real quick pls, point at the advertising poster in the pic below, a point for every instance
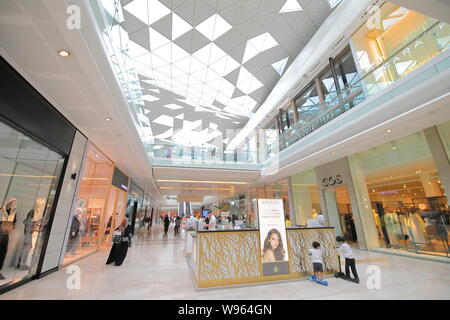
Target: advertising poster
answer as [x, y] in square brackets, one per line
[272, 230]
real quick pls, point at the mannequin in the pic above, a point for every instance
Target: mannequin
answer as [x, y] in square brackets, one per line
[31, 231]
[7, 224]
[75, 233]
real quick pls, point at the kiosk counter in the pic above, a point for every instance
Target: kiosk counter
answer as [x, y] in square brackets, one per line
[231, 257]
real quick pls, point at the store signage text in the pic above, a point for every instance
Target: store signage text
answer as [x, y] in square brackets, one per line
[331, 181]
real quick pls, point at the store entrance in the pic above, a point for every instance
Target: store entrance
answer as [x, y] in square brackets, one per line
[340, 213]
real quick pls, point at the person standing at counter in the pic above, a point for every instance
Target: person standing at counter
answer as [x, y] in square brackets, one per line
[212, 222]
[273, 247]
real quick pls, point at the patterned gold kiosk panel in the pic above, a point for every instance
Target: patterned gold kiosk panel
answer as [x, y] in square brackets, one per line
[233, 257]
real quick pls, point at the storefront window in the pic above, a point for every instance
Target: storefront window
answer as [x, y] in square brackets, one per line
[29, 175]
[90, 205]
[444, 133]
[402, 38]
[408, 202]
[306, 197]
[279, 190]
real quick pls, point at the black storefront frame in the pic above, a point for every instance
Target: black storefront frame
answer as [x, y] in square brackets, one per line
[32, 127]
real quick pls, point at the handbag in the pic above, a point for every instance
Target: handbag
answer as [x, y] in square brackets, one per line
[117, 236]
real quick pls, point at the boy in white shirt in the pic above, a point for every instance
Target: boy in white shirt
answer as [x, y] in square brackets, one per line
[316, 258]
[346, 251]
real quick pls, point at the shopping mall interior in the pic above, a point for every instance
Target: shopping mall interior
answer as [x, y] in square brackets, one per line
[224, 149]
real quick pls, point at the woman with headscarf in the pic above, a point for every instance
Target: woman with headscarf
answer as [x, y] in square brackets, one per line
[122, 240]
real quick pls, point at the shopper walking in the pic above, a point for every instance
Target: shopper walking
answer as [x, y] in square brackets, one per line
[177, 225]
[166, 224]
[122, 240]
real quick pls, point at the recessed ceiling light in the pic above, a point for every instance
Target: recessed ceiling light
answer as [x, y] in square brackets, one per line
[126, 148]
[388, 131]
[64, 53]
[108, 119]
[334, 152]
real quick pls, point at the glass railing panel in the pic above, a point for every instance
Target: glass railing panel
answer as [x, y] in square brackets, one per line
[416, 53]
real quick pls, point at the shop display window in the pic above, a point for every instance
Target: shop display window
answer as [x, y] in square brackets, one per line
[408, 202]
[90, 205]
[115, 211]
[394, 42]
[29, 175]
[279, 190]
[306, 196]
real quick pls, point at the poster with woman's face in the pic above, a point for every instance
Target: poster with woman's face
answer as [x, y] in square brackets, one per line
[274, 252]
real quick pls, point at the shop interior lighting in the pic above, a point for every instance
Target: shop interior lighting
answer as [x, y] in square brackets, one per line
[388, 130]
[108, 119]
[200, 181]
[186, 188]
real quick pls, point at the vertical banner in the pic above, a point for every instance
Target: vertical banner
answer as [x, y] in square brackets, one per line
[272, 232]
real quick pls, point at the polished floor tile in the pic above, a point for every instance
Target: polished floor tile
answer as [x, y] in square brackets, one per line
[155, 268]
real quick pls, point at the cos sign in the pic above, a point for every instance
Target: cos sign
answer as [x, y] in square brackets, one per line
[331, 181]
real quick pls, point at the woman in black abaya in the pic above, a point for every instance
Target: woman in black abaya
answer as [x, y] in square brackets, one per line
[119, 249]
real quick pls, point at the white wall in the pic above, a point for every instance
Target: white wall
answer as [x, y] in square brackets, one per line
[60, 224]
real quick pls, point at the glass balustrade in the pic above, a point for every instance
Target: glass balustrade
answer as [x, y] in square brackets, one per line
[194, 156]
[417, 52]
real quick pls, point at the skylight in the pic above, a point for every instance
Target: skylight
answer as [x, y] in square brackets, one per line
[257, 45]
[247, 82]
[173, 106]
[333, 3]
[138, 8]
[204, 75]
[213, 27]
[149, 98]
[290, 6]
[179, 26]
[156, 10]
[280, 65]
[164, 120]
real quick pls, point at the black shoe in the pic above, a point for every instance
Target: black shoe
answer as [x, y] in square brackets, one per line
[2, 277]
[356, 280]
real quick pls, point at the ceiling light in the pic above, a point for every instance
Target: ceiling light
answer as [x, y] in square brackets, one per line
[334, 152]
[126, 148]
[64, 53]
[108, 119]
[199, 181]
[388, 131]
[185, 188]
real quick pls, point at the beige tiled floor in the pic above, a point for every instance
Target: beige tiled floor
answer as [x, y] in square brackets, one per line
[155, 268]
